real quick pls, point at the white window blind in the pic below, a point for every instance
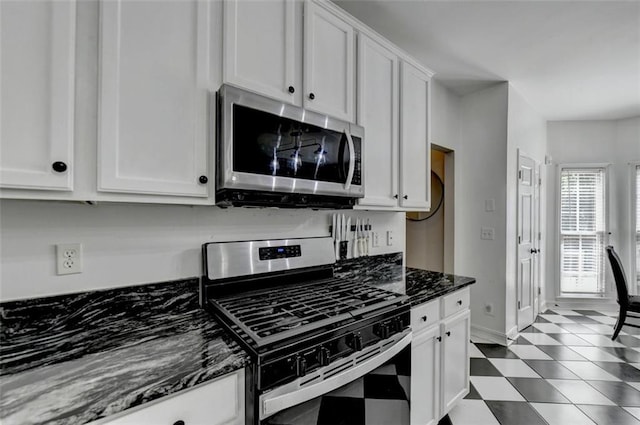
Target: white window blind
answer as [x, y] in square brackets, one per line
[583, 230]
[638, 224]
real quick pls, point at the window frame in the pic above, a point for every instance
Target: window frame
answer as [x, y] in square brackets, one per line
[608, 288]
[634, 194]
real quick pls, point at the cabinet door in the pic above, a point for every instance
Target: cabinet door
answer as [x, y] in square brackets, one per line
[329, 73]
[220, 402]
[425, 377]
[455, 358]
[378, 114]
[259, 49]
[155, 62]
[37, 64]
[415, 150]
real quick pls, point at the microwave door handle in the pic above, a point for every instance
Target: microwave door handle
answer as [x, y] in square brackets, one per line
[352, 160]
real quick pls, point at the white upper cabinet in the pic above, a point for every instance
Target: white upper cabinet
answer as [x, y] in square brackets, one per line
[259, 47]
[378, 114]
[329, 56]
[415, 149]
[37, 64]
[155, 64]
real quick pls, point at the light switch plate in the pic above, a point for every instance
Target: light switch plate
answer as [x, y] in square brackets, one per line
[487, 233]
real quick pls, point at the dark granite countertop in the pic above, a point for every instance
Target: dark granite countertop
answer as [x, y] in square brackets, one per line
[76, 358]
[386, 271]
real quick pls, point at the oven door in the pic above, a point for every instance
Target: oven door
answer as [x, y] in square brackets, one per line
[267, 145]
[333, 376]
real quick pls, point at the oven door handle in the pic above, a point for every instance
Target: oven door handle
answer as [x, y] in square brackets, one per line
[352, 159]
[286, 396]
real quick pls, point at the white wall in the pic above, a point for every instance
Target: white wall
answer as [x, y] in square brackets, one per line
[613, 142]
[527, 133]
[134, 244]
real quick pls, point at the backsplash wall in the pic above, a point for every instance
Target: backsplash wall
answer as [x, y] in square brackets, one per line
[127, 244]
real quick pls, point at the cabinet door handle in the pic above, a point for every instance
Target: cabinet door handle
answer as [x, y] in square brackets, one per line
[406, 197]
[180, 422]
[438, 339]
[312, 96]
[203, 179]
[395, 196]
[459, 302]
[59, 167]
[292, 89]
[424, 318]
[448, 333]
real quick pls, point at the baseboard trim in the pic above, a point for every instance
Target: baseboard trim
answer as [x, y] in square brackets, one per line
[480, 332]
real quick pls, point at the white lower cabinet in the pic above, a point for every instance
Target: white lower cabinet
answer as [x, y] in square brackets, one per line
[439, 361]
[220, 402]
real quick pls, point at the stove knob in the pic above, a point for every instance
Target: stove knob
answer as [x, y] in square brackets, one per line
[383, 331]
[396, 325]
[323, 356]
[357, 342]
[301, 366]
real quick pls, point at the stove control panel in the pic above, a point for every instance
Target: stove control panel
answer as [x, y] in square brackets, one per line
[276, 252]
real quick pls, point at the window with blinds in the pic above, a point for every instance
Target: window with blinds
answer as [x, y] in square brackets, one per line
[583, 231]
[638, 225]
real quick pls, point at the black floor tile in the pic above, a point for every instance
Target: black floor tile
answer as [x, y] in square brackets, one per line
[589, 312]
[626, 354]
[608, 415]
[473, 393]
[483, 367]
[531, 330]
[341, 411]
[576, 328]
[549, 312]
[536, 390]
[623, 371]
[550, 369]
[445, 421]
[403, 362]
[559, 352]
[383, 386]
[496, 351]
[621, 393]
[515, 412]
[628, 340]
[584, 319]
[541, 320]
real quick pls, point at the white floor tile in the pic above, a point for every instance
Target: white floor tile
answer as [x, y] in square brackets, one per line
[604, 319]
[635, 385]
[588, 371]
[579, 392]
[550, 328]
[567, 312]
[636, 365]
[555, 318]
[495, 388]
[514, 368]
[475, 352]
[574, 340]
[600, 340]
[561, 414]
[472, 412]
[530, 352]
[601, 329]
[385, 412]
[635, 411]
[539, 339]
[595, 354]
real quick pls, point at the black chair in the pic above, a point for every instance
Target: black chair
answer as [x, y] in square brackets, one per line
[628, 303]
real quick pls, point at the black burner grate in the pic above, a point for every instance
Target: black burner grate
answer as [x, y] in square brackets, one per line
[278, 313]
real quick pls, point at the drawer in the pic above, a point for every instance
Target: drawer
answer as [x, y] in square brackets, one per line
[425, 315]
[453, 303]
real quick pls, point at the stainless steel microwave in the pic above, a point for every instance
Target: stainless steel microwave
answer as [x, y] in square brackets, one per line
[271, 153]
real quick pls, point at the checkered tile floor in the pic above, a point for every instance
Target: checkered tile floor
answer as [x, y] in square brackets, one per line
[562, 370]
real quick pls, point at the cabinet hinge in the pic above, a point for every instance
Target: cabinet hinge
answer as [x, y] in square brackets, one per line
[518, 305]
[539, 236]
[539, 291]
[519, 174]
[519, 239]
[539, 181]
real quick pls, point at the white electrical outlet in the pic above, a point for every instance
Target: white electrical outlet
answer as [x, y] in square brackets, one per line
[69, 258]
[375, 239]
[389, 238]
[487, 233]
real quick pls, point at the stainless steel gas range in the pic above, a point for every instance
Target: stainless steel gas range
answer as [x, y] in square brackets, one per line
[307, 332]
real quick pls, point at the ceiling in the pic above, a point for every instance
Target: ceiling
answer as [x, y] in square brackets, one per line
[571, 60]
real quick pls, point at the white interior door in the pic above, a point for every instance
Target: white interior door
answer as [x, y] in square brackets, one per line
[527, 241]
